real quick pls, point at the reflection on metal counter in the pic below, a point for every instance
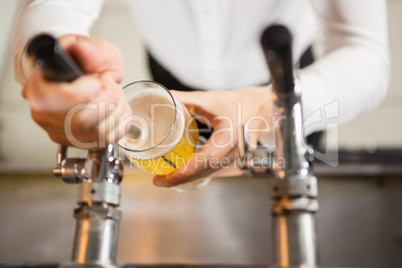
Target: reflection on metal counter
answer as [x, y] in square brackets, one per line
[228, 222]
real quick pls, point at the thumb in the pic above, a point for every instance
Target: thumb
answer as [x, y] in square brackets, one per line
[200, 105]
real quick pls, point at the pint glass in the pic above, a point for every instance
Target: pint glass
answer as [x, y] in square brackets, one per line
[164, 135]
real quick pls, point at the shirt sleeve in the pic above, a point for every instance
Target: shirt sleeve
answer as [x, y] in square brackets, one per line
[352, 73]
[56, 17]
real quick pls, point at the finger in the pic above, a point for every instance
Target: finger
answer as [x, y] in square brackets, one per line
[232, 170]
[109, 101]
[47, 96]
[206, 162]
[114, 127]
[97, 55]
[53, 108]
[223, 167]
[108, 131]
[189, 98]
[109, 113]
[48, 121]
[66, 40]
[118, 132]
[67, 137]
[199, 105]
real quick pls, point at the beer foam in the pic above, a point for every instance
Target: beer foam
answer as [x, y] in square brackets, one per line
[153, 111]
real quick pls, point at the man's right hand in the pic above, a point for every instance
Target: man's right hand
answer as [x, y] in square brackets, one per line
[89, 112]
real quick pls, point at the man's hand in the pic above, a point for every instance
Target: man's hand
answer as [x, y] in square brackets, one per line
[224, 111]
[88, 112]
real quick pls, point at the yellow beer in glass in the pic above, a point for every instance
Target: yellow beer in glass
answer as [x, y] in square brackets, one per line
[168, 133]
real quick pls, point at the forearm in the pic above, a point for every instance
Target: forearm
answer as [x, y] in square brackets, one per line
[353, 74]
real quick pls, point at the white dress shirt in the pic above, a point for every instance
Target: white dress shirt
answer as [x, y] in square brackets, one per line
[214, 45]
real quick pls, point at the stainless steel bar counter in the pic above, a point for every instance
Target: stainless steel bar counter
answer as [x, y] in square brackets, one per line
[226, 223]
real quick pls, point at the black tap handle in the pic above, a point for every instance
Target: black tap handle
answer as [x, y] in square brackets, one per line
[276, 42]
[48, 55]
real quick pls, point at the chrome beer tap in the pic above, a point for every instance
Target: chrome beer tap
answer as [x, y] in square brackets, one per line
[98, 176]
[292, 184]
[97, 217]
